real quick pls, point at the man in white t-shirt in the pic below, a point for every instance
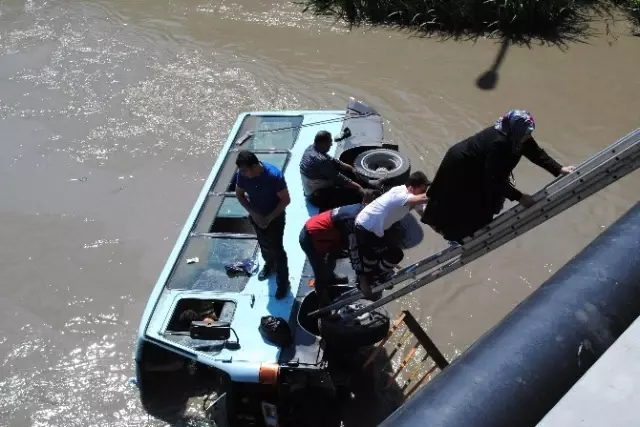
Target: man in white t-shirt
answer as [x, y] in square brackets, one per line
[379, 215]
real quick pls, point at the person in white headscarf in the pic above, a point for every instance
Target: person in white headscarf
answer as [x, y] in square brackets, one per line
[474, 177]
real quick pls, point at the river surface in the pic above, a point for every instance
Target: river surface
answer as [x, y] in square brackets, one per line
[112, 113]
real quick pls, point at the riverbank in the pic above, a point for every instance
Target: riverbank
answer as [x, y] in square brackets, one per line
[552, 20]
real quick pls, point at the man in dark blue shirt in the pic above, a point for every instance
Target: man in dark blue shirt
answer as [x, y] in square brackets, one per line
[327, 181]
[262, 191]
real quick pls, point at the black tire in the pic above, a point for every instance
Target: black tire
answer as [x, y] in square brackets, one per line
[155, 372]
[349, 333]
[162, 393]
[382, 163]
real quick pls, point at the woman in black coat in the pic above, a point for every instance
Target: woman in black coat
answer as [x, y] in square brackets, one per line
[474, 177]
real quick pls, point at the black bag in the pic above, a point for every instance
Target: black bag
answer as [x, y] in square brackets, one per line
[276, 330]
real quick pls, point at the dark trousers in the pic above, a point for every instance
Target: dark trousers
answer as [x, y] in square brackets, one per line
[270, 240]
[326, 199]
[370, 242]
[322, 265]
[372, 249]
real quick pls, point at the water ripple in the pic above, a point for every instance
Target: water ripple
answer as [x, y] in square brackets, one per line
[101, 242]
[277, 15]
[120, 96]
[67, 388]
[18, 40]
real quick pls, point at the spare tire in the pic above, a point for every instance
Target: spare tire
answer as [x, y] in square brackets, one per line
[382, 163]
[362, 331]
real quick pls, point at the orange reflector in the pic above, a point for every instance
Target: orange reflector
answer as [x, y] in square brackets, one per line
[269, 373]
[312, 283]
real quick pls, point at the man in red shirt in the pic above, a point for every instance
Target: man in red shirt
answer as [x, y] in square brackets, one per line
[324, 236]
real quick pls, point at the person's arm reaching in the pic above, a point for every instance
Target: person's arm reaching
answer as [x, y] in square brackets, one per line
[342, 181]
[515, 195]
[509, 191]
[342, 165]
[538, 156]
[329, 168]
[417, 200]
[354, 185]
[417, 203]
[420, 208]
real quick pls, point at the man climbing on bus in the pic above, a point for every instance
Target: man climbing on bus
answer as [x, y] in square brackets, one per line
[377, 252]
[380, 215]
[327, 181]
[324, 236]
[474, 177]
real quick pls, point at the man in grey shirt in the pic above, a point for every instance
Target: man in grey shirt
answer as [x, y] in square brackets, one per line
[326, 180]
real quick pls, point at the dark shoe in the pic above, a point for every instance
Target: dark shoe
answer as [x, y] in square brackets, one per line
[344, 253]
[332, 316]
[282, 291]
[385, 278]
[264, 273]
[339, 279]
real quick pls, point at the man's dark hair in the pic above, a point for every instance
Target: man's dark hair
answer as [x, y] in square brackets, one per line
[246, 159]
[369, 195]
[322, 137]
[417, 179]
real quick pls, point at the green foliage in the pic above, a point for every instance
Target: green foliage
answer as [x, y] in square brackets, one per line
[545, 19]
[634, 11]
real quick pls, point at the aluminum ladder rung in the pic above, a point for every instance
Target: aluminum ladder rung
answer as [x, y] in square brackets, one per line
[561, 205]
[624, 148]
[411, 271]
[601, 165]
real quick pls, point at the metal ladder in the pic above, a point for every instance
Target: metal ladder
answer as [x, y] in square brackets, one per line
[592, 175]
[415, 379]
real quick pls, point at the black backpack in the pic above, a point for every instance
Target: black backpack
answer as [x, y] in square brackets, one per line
[276, 330]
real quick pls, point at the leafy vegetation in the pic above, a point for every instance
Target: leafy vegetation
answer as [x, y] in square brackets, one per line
[545, 19]
[633, 7]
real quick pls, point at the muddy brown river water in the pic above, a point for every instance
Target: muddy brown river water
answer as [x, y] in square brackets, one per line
[112, 113]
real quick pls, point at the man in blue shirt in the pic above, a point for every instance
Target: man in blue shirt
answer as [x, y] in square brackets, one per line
[262, 191]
